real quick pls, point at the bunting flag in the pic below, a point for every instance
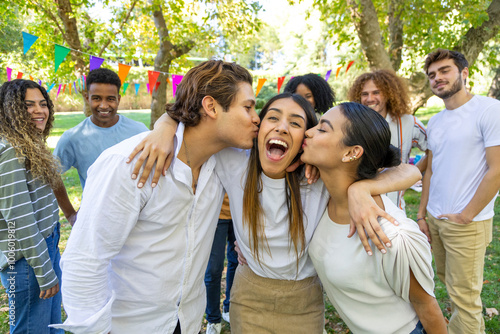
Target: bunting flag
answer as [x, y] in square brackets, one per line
[28, 41]
[19, 75]
[349, 65]
[125, 86]
[39, 82]
[49, 88]
[31, 78]
[338, 71]
[64, 88]
[327, 76]
[176, 80]
[168, 81]
[84, 80]
[152, 78]
[123, 71]
[280, 83]
[60, 52]
[260, 84]
[95, 63]
[9, 74]
[58, 91]
[74, 85]
[136, 88]
[69, 89]
[147, 86]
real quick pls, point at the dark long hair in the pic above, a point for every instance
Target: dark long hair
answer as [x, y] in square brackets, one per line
[324, 97]
[252, 209]
[366, 128]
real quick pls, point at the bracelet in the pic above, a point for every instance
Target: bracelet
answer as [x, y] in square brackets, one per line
[420, 219]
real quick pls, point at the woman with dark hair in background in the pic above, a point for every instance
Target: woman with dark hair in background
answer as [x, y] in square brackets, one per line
[29, 214]
[392, 293]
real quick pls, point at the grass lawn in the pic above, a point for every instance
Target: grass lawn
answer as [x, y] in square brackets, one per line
[491, 289]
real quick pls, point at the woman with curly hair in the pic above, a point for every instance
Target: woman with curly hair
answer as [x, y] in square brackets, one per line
[29, 214]
[315, 90]
[387, 94]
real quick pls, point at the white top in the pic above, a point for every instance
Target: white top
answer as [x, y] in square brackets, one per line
[406, 132]
[136, 258]
[281, 262]
[371, 293]
[458, 139]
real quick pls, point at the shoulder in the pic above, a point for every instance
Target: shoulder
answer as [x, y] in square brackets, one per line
[130, 122]
[76, 131]
[124, 148]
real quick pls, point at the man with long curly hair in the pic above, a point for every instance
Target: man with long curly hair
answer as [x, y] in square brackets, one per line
[387, 94]
[136, 258]
[29, 214]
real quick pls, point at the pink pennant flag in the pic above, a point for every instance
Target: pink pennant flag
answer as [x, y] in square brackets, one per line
[349, 65]
[260, 84]
[95, 63]
[58, 91]
[176, 80]
[338, 71]
[9, 74]
[123, 71]
[19, 75]
[147, 86]
[152, 78]
[328, 75]
[280, 83]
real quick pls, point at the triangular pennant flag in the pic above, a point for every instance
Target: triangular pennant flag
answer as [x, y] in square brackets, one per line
[64, 88]
[123, 71]
[152, 78]
[49, 88]
[28, 40]
[259, 86]
[9, 74]
[280, 83]
[147, 86]
[58, 91]
[39, 82]
[19, 75]
[84, 80]
[338, 71]
[328, 75]
[157, 85]
[168, 81]
[31, 78]
[176, 80]
[69, 89]
[349, 65]
[74, 85]
[125, 86]
[136, 88]
[60, 52]
[95, 63]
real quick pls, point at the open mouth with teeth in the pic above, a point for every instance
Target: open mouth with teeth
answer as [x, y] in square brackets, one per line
[276, 149]
[104, 112]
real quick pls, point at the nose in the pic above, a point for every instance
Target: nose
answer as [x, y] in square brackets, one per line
[282, 127]
[104, 104]
[255, 117]
[309, 133]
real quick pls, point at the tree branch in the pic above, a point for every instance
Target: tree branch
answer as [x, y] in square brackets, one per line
[395, 33]
[50, 15]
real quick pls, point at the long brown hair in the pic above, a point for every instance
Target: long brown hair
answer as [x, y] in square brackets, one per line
[252, 208]
[19, 131]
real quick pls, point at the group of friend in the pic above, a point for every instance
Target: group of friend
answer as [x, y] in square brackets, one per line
[137, 255]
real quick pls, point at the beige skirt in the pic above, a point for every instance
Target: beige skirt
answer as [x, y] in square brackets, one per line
[264, 305]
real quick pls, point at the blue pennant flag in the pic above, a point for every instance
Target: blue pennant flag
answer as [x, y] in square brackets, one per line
[28, 41]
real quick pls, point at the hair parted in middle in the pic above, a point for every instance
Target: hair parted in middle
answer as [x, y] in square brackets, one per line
[214, 78]
[324, 97]
[252, 209]
[390, 85]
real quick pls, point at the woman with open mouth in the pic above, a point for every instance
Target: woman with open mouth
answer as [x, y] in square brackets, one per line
[275, 213]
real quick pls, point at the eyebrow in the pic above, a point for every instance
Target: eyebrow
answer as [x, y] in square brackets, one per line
[281, 112]
[327, 122]
[42, 100]
[252, 101]
[440, 69]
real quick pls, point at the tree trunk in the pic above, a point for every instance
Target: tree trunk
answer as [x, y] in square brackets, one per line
[159, 98]
[396, 8]
[494, 91]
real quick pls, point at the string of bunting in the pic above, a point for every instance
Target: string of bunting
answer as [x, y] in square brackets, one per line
[60, 53]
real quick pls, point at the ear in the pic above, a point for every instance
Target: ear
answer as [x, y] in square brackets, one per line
[209, 105]
[86, 96]
[353, 153]
[119, 98]
[465, 74]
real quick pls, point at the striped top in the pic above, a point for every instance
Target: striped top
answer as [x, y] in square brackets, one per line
[28, 214]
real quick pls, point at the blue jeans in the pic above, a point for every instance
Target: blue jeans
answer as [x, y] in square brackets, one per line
[213, 275]
[30, 314]
[419, 329]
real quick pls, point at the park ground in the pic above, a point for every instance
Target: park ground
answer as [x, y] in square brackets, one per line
[333, 324]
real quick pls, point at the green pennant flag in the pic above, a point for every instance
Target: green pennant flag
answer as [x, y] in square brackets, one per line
[59, 54]
[125, 86]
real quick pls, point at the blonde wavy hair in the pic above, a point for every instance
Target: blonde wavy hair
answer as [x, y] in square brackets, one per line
[19, 131]
[390, 85]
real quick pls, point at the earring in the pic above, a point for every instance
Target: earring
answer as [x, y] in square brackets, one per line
[352, 158]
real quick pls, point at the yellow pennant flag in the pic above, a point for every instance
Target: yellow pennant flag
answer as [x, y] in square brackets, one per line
[259, 86]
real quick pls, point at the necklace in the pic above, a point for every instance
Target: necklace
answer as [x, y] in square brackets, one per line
[195, 181]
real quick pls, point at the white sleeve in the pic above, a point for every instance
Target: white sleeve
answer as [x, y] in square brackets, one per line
[419, 135]
[410, 249]
[110, 209]
[490, 125]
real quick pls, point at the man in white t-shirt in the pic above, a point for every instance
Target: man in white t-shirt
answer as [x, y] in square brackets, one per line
[460, 186]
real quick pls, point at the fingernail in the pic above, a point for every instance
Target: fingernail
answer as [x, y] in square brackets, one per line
[153, 185]
[140, 185]
[134, 176]
[388, 244]
[370, 253]
[396, 222]
[383, 251]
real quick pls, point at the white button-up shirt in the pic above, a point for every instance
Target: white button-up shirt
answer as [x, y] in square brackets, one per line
[136, 258]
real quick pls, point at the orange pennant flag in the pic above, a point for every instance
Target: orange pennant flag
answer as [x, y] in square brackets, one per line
[349, 65]
[64, 87]
[259, 86]
[338, 71]
[69, 89]
[280, 83]
[19, 75]
[31, 78]
[123, 71]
